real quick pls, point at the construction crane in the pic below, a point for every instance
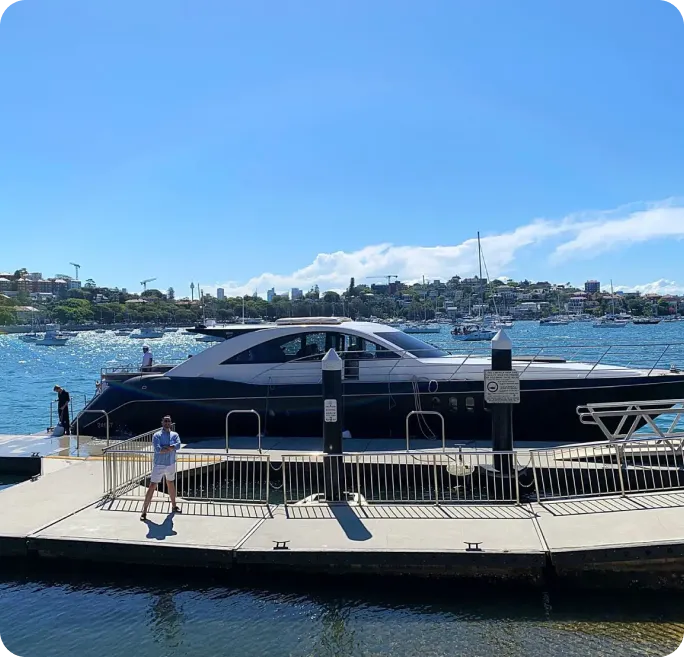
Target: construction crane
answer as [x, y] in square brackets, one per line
[389, 278]
[145, 282]
[76, 268]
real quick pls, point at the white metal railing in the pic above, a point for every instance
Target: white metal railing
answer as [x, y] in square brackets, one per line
[243, 411]
[78, 418]
[646, 357]
[613, 468]
[396, 477]
[420, 414]
[123, 465]
[136, 368]
[633, 417]
[200, 476]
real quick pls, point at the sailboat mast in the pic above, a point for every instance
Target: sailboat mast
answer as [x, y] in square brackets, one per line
[479, 255]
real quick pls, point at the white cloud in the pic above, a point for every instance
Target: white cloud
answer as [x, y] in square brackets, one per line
[332, 271]
[605, 234]
[581, 235]
[661, 286]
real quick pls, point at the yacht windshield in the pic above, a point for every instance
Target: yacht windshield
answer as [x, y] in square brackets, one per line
[412, 345]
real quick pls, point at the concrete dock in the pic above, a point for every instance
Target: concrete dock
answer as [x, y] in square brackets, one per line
[611, 540]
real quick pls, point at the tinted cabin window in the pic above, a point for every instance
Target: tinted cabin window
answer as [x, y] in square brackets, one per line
[314, 346]
[358, 347]
[278, 350]
[411, 344]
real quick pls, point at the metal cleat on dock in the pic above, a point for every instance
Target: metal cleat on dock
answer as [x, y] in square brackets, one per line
[470, 547]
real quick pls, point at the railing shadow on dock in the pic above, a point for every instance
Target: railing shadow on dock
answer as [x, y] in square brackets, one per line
[324, 511]
[190, 508]
[644, 502]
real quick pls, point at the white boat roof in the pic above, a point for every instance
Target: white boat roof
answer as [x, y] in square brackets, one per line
[208, 363]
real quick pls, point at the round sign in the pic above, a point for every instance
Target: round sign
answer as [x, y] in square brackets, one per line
[493, 386]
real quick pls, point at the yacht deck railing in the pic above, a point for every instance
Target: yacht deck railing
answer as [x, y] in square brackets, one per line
[633, 417]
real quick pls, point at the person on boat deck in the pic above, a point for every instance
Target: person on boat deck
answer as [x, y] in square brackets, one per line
[63, 407]
[165, 443]
[147, 358]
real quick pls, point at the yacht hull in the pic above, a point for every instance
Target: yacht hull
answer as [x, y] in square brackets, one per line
[371, 410]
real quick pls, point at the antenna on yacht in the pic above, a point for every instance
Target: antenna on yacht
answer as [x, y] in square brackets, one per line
[479, 255]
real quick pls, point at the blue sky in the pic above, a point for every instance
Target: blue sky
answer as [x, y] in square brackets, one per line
[267, 143]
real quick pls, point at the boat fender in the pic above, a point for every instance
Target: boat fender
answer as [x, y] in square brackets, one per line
[435, 402]
[433, 386]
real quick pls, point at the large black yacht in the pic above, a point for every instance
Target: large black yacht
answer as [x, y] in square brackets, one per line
[275, 369]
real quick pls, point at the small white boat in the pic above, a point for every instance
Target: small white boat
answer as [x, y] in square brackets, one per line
[29, 337]
[609, 322]
[122, 332]
[422, 328]
[553, 321]
[100, 330]
[52, 338]
[147, 334]
[472, 333]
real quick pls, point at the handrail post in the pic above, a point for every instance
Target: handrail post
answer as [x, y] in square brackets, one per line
[534, 475]
[443, 423]
[517, 478]
[91, 410]
[244, 410]
[434, 469]
[619, 464]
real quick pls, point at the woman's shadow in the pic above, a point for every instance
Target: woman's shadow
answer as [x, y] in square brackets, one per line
[160, 531]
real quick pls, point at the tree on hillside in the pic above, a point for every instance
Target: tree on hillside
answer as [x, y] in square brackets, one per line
[76, 294]
[76, 311]
[170, 294]
[351, 290]
[90, 283]
[7, 315]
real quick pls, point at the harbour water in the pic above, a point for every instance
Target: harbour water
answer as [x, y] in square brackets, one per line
[29, 372]
[95, 611]
[152, 615]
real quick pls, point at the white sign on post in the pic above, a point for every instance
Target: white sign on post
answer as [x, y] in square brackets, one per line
[502, 387]
[330, 410]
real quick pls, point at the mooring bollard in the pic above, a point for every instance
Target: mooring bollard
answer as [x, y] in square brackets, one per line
[502, 390]
[333, 467]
